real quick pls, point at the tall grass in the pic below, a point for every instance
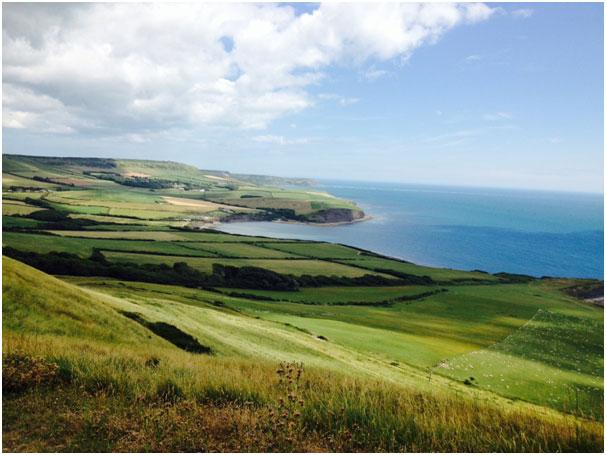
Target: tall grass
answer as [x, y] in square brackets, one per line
[128, 398]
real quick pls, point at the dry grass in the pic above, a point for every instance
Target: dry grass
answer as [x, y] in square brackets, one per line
[201, 205]
[117, 398]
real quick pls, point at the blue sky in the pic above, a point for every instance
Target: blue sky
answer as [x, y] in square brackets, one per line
[507, 96]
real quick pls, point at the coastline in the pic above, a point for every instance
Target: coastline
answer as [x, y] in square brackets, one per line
[333, 224]
[218, 224]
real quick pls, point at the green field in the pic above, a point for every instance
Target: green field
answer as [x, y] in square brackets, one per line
[553, 359]
[10, 208]
[241, 250]
[84, 246]
[397, 356]
[341, 295]
[287, 266]
[180, 236]
[317, 250]
[19, 222]
[407, 267]
[158, 191]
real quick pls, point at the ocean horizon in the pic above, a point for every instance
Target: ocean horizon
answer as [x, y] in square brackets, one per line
[533, 232]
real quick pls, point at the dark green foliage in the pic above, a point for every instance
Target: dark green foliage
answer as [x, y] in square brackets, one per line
[254, 278]
[37, 178]
[381, 303]
[38, 202]
[316, 281]
[407, 278]
[182, 274]
[68, 161]
[170, 333]
[98, 256]
[50, 215]
[513, 277]
[587, 289]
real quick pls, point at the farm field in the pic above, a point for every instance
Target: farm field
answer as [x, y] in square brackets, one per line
[317, 250]
[287, 266]
[18, 209]
[407, 267]
[342, 295]
[174, 235]
[160, 191]
[128, 315]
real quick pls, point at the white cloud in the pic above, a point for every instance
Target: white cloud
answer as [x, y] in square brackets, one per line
[522, 13]
[132, 69]
[279, 140]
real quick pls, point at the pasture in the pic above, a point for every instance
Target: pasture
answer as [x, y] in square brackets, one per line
[437, 274]
[463, 361]
[286, 266]
[341, 295]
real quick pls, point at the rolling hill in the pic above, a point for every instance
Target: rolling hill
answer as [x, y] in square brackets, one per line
[127, 329]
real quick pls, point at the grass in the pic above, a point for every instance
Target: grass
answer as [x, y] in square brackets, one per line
[316, 250]
[413, 269]
[19, 222]
[340, 295]
[9, 180]
[125, 222]
[10, 208]
[410, 334]
[109, 395]
[466, 364]
[554, 359]
[83, 247]
[241, 250]
[163, 235]
[209, 196]
[286, 266]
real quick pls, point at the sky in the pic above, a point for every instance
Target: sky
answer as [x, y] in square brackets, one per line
[492, 95]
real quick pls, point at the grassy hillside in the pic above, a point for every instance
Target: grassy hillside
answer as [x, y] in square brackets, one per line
[135, 332]
[162, 191]
[135, 391]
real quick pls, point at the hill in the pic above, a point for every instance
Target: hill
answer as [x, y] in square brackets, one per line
[166, 191]
[99, 373]
[125, 329]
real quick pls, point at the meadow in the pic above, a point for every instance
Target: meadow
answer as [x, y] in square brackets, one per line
[357, 352]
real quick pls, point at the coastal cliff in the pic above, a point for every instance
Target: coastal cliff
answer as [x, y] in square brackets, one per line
[335, 215]
[325, 216]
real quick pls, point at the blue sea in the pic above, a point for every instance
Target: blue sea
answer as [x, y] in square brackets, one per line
[531, 232]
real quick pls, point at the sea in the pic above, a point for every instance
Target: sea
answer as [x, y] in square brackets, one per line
[538, 233]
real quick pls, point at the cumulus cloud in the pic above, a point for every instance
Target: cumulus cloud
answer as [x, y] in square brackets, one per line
[136, 69]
